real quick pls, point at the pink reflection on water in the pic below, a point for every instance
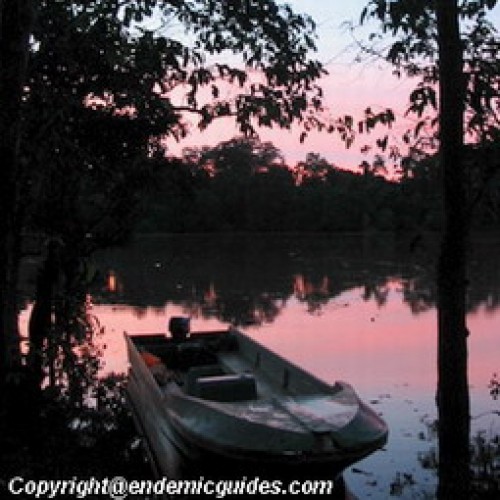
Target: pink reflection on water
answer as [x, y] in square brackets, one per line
[374, 348]
[357, 342]
[388, 353]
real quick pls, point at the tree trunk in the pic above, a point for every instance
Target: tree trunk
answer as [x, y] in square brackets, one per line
[16, 23]
[453, 392]
[40, 322]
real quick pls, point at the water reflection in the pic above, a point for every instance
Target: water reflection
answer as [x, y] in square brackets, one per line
[345, 307]
[247, 280]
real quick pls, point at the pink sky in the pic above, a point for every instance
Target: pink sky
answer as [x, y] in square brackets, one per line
[349, 88]
[346, 92]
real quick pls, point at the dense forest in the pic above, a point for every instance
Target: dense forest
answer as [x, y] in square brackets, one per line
[245, 185]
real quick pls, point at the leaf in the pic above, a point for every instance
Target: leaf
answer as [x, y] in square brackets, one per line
[382, 143]
[419, 127]
[364, 13]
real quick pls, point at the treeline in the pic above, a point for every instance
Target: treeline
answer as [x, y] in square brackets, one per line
[245, 185]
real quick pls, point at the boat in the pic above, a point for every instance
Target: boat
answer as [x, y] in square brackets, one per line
[211, 402]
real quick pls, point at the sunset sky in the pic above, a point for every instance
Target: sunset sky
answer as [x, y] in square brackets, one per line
[349, 88]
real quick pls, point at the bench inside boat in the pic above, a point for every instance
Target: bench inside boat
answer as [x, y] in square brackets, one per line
[197, 368]
[227, 366]
[224, 387]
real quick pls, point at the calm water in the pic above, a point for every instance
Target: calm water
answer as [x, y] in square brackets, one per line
[359, 309]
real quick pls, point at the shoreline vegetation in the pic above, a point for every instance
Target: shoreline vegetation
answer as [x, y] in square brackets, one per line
[244, 185]
[97, 440]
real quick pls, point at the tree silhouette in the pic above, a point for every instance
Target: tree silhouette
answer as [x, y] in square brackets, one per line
[107, 85]
[431, 46]
[16, 24]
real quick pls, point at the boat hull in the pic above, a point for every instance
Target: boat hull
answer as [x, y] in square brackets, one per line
[191, 438]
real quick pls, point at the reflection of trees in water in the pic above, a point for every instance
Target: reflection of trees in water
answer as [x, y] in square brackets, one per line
[419, 294]
[249, 279]
[314, 291]
[379, 292]
[484, 289]
[240, 310]
[485, 453]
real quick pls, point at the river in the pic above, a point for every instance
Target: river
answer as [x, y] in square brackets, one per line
[345, 307]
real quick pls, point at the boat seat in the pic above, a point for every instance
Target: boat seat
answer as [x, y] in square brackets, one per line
[227, 388]
[195, 372]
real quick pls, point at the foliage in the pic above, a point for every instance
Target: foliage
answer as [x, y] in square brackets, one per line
[74, 350]
[314, 168]
[144, 39]
[16, 21]
[243, 185]
[109, 84]
[240, 157]
[444, 44]
[413, 52]
[99, 441]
